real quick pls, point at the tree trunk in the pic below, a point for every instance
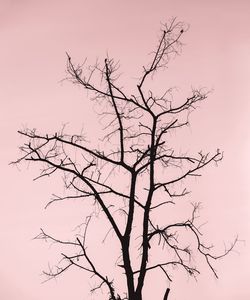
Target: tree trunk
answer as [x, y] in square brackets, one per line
[166, 294]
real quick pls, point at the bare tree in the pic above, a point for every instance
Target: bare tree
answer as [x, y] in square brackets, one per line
[135, 148]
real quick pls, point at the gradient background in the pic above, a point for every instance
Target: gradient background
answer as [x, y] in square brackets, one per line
[34, 38]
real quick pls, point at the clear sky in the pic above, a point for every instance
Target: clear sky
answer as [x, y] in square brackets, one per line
[34, 38]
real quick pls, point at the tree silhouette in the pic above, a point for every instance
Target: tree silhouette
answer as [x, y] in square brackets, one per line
[136, 149]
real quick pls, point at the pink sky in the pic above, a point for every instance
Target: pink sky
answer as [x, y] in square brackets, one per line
[34, 38]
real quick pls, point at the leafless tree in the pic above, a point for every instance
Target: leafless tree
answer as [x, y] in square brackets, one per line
[136, 148]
